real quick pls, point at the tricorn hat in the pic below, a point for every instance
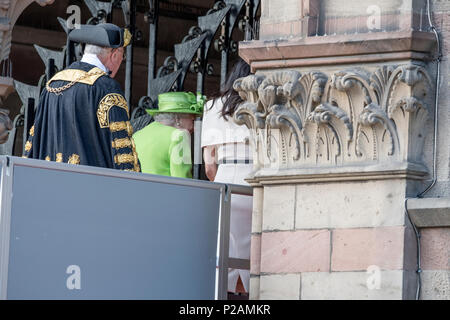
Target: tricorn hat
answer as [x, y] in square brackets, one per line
[179, 102]
[102, 35]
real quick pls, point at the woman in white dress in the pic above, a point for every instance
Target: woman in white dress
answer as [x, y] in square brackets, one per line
[228, 159]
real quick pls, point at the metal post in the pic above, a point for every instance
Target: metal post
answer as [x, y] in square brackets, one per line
[197, 148]
[129, 62]
[224, 52]
[223, 68]
[29, 120]
[224, 243]
[198, 121]
[70, 51]
[6, 175]
[152, 17]
[249, 20]
[201, 69]
[50, 68]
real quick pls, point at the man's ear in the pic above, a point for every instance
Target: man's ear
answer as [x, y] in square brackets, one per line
[113, 54]
[117, 53]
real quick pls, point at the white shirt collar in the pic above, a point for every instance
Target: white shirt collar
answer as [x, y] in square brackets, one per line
[94, 60]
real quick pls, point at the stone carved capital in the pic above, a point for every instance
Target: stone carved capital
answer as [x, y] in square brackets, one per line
[346, 118]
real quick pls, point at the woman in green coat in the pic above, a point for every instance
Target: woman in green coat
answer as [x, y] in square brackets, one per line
[164, 146]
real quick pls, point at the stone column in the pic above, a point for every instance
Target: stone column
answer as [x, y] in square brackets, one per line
[342, 129]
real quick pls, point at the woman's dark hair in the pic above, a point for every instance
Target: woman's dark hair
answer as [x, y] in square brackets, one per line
[229, 96]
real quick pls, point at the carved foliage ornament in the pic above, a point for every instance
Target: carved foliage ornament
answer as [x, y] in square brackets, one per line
[347, 117]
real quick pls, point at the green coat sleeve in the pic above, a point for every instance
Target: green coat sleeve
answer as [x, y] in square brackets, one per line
[180, 154]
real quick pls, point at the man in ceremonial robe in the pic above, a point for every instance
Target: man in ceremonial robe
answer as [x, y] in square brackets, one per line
[82, 116]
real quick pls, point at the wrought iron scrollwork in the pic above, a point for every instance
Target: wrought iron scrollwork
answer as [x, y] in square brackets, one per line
[101, 11]
[194, 32]
[192, 53]
[170, 65]
[189, 55]
[29, 95]
[220, 43]
[219, 5]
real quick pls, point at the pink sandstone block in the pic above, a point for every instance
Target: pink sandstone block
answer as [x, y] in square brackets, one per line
[266, 29]
[435, 248]
[296, 28]
[295, 251]
[255, 255]
[357, 249]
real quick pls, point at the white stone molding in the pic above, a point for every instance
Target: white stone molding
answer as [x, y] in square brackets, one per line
[342, 119]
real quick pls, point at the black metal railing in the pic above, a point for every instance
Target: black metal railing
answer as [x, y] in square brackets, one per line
[214, 29]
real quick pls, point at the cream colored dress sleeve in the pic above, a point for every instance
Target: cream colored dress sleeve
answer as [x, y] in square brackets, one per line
[216, 130]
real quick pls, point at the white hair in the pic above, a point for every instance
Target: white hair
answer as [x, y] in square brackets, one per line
[166, 117]
[98, 51]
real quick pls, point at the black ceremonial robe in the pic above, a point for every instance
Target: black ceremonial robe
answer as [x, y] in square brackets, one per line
[83, 118]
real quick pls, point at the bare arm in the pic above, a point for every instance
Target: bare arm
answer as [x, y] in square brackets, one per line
[209, 154]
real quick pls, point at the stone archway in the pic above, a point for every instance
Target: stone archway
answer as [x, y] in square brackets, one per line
[10, 10]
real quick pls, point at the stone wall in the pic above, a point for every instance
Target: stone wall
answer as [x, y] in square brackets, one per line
[441, 19]
[312, 246]
[435, 240]
[298, 18]
[343, 135]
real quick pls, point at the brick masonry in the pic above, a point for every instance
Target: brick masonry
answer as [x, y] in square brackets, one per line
[279, 208]
[298, 251]
[358, 249]
[435, 245]
[280, 287]
[351, 286]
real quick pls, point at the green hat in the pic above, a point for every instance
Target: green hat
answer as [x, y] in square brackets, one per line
[179, 102]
